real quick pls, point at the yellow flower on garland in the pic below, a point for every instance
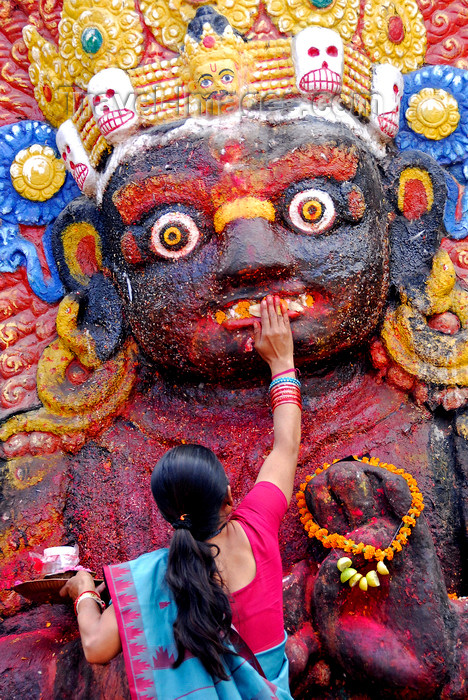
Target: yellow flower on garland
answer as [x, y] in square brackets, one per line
[433, 113]
[394, 32]
[50, 78]
[98, 34]
[37, 174]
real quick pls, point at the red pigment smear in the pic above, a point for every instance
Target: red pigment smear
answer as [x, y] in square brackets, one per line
[356, 513]
[356, 204]
[415, 200]
[86, 255]
[129, 249]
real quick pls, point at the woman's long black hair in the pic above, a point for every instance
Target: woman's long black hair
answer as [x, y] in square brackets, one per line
[189, 481]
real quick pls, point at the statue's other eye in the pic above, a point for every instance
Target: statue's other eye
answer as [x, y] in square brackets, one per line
[312, 211]
[206, 82]
[227, 78]
[174, 235]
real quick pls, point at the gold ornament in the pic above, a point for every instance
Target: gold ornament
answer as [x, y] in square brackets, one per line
[36, 173]
[357, 81]
[426, 353]
[98, 34]
[49, 75]
[168, 19]
[394, 32]
[433, 113]
[291, 16]
[74, 409]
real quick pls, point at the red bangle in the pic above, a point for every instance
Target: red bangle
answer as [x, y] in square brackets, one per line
[89, 594]
[283, 397]
[280, 397]
[280, 374]
[286, 398]
[284, 387]
[278, 403]
[284, 392]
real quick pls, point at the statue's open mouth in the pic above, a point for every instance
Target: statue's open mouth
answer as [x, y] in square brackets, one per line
[239, 314]
[321, 80]
[389, 121]
[218, 95]
[80, 174]
[110, 121]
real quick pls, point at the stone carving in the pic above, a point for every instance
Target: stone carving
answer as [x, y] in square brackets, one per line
[191, 217]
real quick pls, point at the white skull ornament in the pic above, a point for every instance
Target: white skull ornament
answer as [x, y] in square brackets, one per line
[75, 157]
[112, 99]
[387, 91]
[318, 57]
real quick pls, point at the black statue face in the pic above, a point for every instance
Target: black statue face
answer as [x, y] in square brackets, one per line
[205, 226]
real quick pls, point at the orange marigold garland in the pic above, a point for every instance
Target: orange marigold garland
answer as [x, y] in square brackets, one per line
[336, 541]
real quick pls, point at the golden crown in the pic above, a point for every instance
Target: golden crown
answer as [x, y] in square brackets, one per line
[106, 79]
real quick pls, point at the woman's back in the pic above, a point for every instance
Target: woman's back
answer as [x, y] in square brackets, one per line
[250, 565]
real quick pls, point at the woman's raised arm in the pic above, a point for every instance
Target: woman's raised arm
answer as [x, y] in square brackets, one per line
[274, 343]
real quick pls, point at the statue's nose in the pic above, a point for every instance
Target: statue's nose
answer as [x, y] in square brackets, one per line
[253, 248]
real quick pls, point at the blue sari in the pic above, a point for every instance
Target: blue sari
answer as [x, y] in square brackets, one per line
[145, 614]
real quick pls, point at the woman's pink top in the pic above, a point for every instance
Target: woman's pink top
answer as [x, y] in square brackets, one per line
[258, 607]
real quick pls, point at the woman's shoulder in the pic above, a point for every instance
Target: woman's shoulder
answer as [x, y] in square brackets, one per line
[146, 561]
[264, 500]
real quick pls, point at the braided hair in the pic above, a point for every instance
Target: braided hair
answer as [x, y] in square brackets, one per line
[189, 486]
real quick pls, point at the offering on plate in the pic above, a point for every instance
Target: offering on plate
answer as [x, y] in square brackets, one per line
[57, 561]
[53, 566]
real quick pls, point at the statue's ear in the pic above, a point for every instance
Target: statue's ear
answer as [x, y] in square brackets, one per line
[417, 193]
[77, 245]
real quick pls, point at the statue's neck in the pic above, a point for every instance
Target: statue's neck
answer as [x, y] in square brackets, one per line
[320, 383]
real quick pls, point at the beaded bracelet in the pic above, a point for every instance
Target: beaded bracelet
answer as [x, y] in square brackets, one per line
[285, 380]
[89, 594]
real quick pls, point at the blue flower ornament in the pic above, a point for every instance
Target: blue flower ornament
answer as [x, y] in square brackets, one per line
[34, 188]
[434, 119]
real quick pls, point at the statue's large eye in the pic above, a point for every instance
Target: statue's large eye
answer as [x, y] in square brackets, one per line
[312, 211]
[174, 235]
[206, 82]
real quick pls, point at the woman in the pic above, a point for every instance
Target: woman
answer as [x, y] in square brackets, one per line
[188, 618]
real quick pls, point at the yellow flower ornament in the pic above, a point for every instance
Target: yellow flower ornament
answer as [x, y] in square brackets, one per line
[37, 174]
[49, 76]
[98, 34]
[394, 32]
[433, 113]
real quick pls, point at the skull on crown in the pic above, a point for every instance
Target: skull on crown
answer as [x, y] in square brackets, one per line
[112, 99]
[318, 58]
[387, 90]
[75, 157]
